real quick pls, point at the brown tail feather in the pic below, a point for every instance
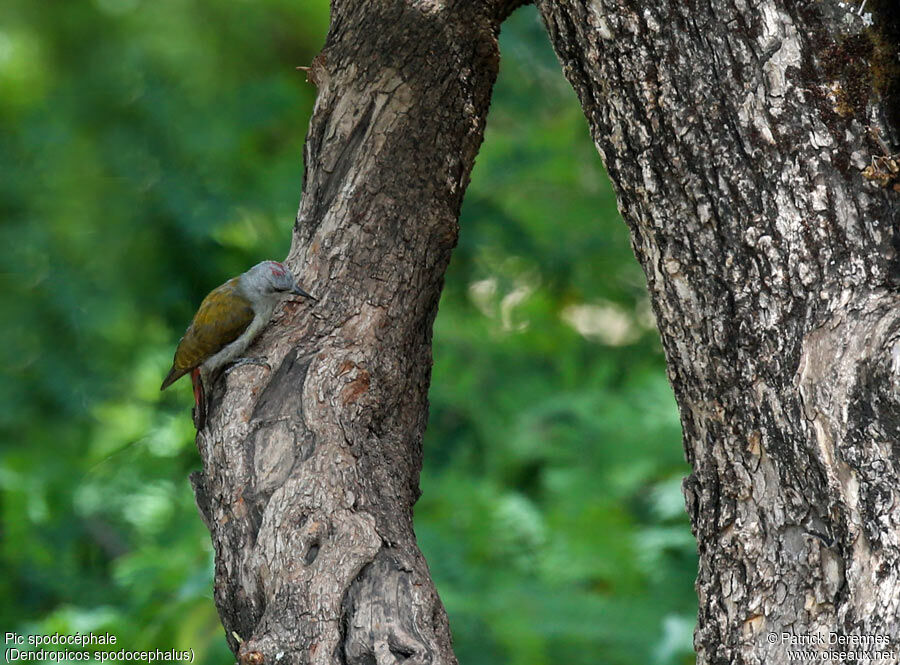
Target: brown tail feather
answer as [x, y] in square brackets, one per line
[172, 377]
[199, 400]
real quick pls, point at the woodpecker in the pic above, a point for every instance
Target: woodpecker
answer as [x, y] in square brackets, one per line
[228, 320]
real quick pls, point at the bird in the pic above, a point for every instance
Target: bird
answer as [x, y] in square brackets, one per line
[228, 320]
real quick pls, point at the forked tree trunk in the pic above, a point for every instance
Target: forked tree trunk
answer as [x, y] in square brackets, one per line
[311, 469]
[747, 148]
[746, 142]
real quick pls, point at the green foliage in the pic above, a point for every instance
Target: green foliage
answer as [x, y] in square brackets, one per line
[151, 150]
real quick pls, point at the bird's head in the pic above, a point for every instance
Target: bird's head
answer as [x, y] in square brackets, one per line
[270, 280]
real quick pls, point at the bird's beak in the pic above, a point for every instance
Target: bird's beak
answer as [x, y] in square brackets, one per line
[297, 291]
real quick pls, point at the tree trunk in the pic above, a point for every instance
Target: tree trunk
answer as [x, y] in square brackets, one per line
[751, 152]
[749, 144]
[311, 468]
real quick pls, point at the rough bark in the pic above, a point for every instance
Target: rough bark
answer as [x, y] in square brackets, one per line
[311, 468]
[749, 146]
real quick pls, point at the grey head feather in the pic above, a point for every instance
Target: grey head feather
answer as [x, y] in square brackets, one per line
[268, 282]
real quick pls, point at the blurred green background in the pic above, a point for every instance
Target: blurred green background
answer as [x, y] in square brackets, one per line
[151, 150]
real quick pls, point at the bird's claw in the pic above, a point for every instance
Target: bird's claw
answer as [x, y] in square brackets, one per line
[246, 361]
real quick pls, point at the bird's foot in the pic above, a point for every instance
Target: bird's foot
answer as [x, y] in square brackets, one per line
[246, 361]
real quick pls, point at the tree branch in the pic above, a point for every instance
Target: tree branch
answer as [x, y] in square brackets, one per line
[311, 471]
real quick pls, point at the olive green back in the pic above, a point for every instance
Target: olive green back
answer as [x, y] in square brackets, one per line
[223, 315]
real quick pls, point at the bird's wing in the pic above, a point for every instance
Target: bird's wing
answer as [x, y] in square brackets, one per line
[223, 315]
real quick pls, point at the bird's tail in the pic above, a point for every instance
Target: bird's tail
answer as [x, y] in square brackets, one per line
[199, 400]
[173, 375]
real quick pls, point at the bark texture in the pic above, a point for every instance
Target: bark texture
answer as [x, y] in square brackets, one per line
[750, 145]
[311, 468]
